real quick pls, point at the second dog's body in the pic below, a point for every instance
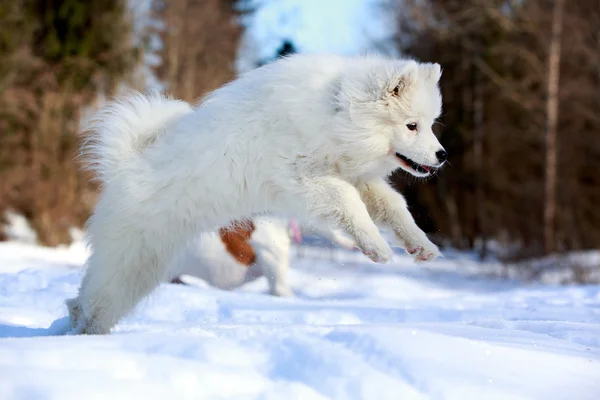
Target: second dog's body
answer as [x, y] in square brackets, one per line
[309, 136]
[246, 253]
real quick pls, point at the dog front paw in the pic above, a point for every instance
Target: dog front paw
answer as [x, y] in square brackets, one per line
[377, 249]
[422, 249]
[422, 254]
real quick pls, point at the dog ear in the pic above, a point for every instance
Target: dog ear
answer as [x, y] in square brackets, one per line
[406, 78]
[431, 72]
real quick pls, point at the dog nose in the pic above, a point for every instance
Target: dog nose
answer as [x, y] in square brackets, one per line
[441, 156]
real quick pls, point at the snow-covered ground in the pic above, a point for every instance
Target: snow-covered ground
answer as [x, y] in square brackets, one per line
[356, 330]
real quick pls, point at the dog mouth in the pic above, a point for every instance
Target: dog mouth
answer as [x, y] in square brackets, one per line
[420, 168]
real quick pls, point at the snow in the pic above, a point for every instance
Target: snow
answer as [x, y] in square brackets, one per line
[355, 330]
[559, 268]
[17, 228]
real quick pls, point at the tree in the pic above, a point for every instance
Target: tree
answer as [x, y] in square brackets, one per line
[57, 57]
[502, 61]
[552, 122]
[200, 40]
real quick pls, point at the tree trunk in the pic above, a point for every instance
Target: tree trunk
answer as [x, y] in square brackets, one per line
[478, 154]
[552, 121]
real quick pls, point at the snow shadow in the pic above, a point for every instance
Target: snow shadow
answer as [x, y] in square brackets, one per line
[57, 328]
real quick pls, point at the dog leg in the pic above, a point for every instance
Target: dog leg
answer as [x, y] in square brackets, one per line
[128, 261]
[387, 206]
[74, 311]
[273, 259]
[337, 200]
[274, 264]
[275, 269]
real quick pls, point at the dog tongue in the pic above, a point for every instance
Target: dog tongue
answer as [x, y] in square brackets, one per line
[426, 168]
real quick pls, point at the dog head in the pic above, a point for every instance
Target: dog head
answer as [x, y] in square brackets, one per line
[390, 107]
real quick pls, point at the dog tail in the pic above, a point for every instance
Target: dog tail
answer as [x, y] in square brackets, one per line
[122, 128]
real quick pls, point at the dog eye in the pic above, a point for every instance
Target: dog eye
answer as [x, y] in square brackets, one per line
[412, 127]
[397, 90]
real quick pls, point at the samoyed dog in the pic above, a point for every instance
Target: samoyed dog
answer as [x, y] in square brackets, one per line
[311, 136]
[230, 258]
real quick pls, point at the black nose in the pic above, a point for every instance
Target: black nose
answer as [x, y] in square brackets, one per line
[441, 156]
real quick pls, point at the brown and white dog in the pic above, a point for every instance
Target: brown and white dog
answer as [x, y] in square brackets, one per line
[233, 256]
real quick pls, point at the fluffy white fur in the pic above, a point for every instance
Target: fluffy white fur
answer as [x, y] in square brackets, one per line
[207, 258]
[312, 136]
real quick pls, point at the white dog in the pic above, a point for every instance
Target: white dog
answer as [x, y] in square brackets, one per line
[313, 136]
[261, 251]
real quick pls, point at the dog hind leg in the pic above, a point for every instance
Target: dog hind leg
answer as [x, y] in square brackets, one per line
[127, 263]
[74, 311]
